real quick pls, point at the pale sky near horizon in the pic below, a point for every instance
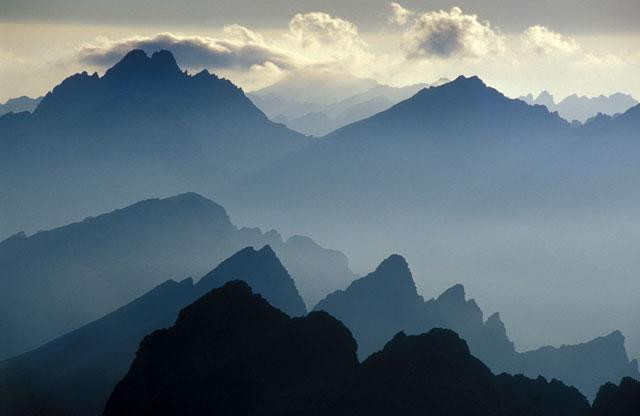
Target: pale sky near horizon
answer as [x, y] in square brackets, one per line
[586, 47]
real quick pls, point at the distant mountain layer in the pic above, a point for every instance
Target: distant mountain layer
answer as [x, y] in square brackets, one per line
[232, 353]
[386, 301]
[319, 119]
[19, 104]
[54, 281]
[581, 108]
[144, 128]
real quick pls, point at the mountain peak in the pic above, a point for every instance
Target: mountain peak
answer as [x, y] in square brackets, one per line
[472, 80]
[393, 264]
[137, 66]
[164, 58]
[455, 294]
[264, 272]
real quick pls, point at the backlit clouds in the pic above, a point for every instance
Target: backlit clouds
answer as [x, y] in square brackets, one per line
[409, 46]
[241, 50]
[327, 38]
[314, 42]
[542, 41]
[445, 34]
[400, 16]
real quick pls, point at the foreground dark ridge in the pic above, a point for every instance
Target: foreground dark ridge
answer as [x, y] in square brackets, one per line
[232, 353]
[93, 358]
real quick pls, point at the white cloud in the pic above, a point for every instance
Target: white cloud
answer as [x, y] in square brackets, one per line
[242, 50]
[425, 46]
[400, 16]
[452, 34]
[542, 41]
[324, 38]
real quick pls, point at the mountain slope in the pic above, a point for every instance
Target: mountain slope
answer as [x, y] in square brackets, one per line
[232, 353]
[450, 142]
[19, 104]
[54, 281]
[386, 301]
[94, 357]
[144, 128]
[471, 184]
[264, 273]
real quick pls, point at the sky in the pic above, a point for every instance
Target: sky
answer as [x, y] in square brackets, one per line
[586, 47]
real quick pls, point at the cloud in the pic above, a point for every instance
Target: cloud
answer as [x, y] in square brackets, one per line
[543, 41]
[445, 34]
[313, 40]
[242, 49]
[400, 16]
[326, 37]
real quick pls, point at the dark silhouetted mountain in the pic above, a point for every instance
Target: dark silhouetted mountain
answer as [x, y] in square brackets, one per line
[19, 104]
[94, 357]
[386, 301]
[54, 281]
[232, 353]
[621, 400]
[582, 108]
[144, 128]
[435, 374]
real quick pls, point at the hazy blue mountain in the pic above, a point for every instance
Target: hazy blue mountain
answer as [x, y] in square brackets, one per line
[264, 273]
[582, 108]
[19, 104]
[54, 281]
[586, 366]
[386, 301]
[462, 131]
[144, 128]
[90, 360]
[472, 185]
[318, 119]
[94, 357]
[232, 353]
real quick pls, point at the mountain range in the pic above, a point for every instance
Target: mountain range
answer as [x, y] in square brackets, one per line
[95, 356]
[471, 186]
[19, 104]
[145, 119]
[55, 281]
[319, 119]
[92, 358]
[467, 182]
[232, 353]
[384, 302]
[582, 108]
